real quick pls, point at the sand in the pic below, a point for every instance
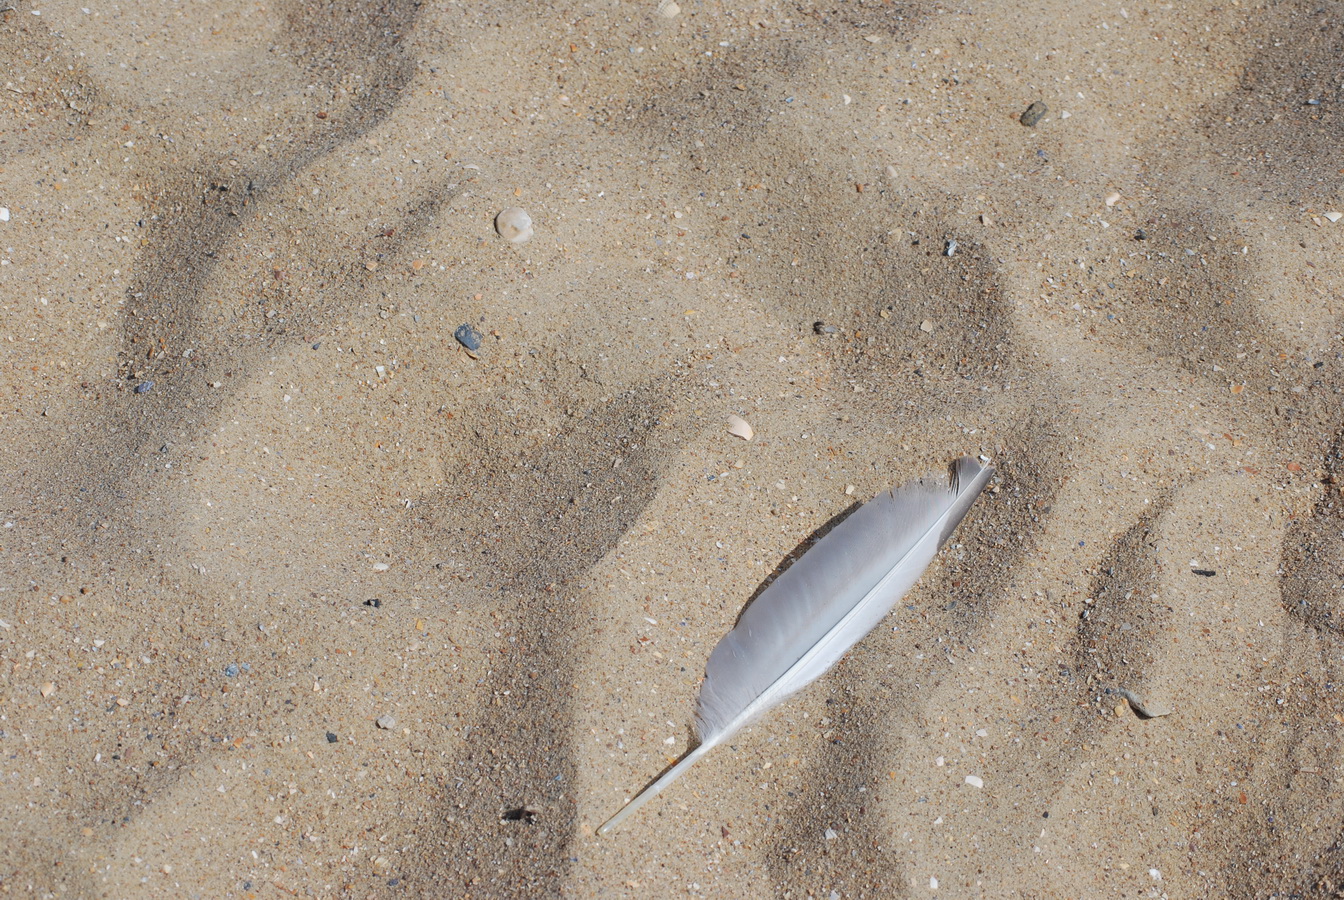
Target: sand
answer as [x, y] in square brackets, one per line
[300, 598]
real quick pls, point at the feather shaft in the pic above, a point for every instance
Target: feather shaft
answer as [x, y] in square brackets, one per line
[656, 788]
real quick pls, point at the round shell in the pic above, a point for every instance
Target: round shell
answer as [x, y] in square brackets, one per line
[514, 225]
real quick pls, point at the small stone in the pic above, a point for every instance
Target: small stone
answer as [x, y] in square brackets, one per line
[849, 490]
[385, 722]
[831, 834]
[231, 671]
[468, 337]
[926, 326]
[514, 225]
[892, 172]
[143, 386]
[4, 214]
[374, 602]
[949, 248]
[933, 883]
[823, 328]
[975, 781]
[986, 220]
[1140, 235]
[331, 737]
[1034, 114]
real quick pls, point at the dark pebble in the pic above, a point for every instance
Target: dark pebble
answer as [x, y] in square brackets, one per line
[231, 671]
[317, 346]
[1140, 235]
[468, 337]
[1207, 573]
[143, 386]
[1034, 114]
[331, 737]
[374, 602]
[823, 328]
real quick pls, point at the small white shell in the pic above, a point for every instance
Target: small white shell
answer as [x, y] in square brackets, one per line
[739, 427]
[1334, 216]
[514, 225]
[668, 9]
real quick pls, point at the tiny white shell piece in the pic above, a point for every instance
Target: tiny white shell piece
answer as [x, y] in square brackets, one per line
[514, 225]
[4, 214]
[1334, 216]
[1112, 198]
[975, 781]
[668, 9]
[739, 427]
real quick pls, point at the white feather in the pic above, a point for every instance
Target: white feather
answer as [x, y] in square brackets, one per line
[821, 606]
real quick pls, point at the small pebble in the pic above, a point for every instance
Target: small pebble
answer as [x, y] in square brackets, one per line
[926, 326]
[231, 671]
[986, 220]
[975, 781]
[1140, 235]
[1034, 114]
[4, 214]
[740, 427]
[331, 737]
[823, 328]
[514, 225]
[892, 172]
[374, 602]
[1207, 573]
[381, 567]
[831, 834]
[385, 722]
[143, 386]
[949, 248]
[933, 883]
[468, 337]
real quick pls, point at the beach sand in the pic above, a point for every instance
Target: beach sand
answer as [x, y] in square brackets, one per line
[299, 598]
